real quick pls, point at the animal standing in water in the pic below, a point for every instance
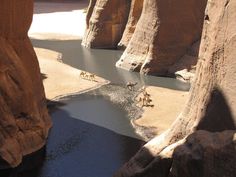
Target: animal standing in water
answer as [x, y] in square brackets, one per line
[131, 85]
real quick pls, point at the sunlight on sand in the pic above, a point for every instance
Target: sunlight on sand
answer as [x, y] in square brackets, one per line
[71, 22]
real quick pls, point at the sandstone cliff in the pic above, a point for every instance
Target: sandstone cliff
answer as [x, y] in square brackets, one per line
[211, 107]
[24, 121]
[134, 15]
[164, 32]
[106, 20]
[157, 34]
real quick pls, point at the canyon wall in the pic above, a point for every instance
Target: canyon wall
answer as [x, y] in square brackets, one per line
[106, 20]
[201, 142]
[24, 120]
[157, 35]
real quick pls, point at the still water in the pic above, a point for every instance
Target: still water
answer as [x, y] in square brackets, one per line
[91, 134]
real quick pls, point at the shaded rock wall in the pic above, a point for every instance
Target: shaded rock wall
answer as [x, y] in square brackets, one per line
[211, 106]
[106, 20]
[24, 120]
[205, 154]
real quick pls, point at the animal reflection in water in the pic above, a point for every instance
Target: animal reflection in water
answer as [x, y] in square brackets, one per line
[87, 76]
[131, 85]
[145, 98]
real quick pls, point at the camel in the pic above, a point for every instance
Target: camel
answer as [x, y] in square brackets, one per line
[92, 77]
[146, 100]
[130, 85]
[87, 76]
[82, 74]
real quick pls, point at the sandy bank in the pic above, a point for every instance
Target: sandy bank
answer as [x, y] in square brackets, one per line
[60, 21]
[167, 103]
[60, 79]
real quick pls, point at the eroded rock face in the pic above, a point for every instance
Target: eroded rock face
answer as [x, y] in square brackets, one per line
[106, 20]
[206, 154]
[211, 106]
[157, 34]
[134, 15]
[163, 34]
[24, 118]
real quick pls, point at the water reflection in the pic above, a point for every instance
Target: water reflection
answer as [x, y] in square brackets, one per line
[102, 62]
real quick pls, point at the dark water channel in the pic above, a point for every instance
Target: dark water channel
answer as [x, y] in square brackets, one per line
[91, 134]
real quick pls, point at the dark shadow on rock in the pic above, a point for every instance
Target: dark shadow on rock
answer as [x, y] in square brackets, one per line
[30, 166]
[144, 164]
[52, 6]
[205, 154]
[218, 116]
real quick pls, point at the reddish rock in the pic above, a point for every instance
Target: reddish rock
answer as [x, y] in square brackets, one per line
[106, 20]
[134, 15]
[24, 118]
[211, 106]
[206, 154]
[166, 29]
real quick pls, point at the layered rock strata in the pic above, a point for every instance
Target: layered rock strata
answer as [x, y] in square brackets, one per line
[211, 106]
[106, 20]
[24, 121]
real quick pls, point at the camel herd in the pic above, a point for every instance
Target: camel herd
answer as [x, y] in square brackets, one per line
[87, 76]
[145, 98]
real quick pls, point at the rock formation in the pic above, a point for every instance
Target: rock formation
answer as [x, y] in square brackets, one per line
[158, 33]
[164, 32]
[134, 15]
[24, 118]
[206, 154]
[106, 20]
[211, 107]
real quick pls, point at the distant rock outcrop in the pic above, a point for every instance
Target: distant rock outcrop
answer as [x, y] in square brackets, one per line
[24, 120]
[211, 107]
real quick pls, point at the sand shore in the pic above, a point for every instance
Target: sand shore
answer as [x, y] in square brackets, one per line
[60, 79]
[167, 104]
[68, 20]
